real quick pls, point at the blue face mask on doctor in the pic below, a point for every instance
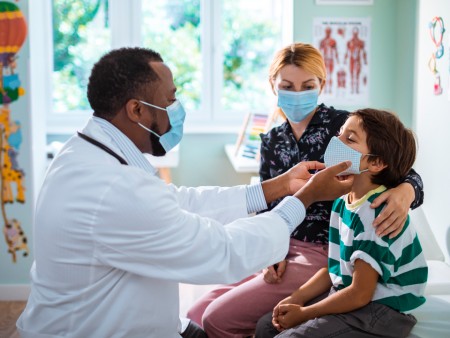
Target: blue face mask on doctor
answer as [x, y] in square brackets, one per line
[176, 115]
[297, 105]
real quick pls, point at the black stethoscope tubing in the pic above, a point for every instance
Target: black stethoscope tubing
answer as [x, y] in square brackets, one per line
[103, 147]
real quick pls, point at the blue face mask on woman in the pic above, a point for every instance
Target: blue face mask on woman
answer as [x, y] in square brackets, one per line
[176, 115]
[297, 105]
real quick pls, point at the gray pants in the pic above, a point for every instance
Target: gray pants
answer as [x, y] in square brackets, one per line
[372, 320]
[193, 331]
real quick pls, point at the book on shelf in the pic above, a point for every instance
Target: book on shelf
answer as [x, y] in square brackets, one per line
[248, 141]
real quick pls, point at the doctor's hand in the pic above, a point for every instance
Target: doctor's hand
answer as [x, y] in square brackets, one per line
[289, 182]
[299, 174]
[325, 185]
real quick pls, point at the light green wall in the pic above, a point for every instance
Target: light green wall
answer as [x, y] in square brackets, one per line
[406, 26]
[203, 162]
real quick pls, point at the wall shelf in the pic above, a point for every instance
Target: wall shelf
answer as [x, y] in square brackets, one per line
[240, 164]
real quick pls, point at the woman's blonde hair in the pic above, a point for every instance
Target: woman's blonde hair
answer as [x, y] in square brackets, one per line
[302, 55]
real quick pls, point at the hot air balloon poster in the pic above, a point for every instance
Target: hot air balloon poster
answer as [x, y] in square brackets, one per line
[13, 31]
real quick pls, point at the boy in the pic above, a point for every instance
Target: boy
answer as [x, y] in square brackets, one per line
[373, 280]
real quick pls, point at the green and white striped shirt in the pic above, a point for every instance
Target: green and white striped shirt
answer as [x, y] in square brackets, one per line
[399, 261]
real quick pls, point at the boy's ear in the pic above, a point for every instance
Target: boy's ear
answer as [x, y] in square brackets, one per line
[376, 165]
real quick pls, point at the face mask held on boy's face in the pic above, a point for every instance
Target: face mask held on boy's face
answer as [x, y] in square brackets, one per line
[337, 152]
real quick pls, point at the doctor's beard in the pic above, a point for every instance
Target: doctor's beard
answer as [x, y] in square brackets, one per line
[157, 148]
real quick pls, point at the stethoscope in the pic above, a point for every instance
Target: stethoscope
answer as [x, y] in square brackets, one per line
[103, 147]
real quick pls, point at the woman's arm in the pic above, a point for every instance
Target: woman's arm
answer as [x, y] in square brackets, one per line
[399, 200]
[264, 166]
[416, 182]
[353, 297]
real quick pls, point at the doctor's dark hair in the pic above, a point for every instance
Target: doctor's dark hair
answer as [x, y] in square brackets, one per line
[120, 75]
[391, 143]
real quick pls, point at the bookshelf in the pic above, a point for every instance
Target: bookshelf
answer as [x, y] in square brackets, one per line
[241, 164]
[244, 154]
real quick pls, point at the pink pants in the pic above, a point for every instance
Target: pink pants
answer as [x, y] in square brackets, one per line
[233, 310]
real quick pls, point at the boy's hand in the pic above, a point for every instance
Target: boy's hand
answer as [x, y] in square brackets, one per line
[288, 315]
[293, 300]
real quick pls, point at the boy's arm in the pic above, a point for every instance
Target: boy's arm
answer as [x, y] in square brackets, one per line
[353, 297]
[315, 286]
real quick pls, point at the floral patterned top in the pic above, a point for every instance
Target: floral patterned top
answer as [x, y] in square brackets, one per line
[280, 151]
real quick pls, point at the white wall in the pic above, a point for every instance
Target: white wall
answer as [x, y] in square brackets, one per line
[432, 123]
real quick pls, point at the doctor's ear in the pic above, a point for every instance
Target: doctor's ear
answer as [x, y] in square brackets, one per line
[133, 109]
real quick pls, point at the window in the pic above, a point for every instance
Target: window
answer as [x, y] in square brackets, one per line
[218, 50]
[80, 36]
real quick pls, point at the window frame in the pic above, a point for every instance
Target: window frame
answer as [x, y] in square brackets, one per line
[209, 119]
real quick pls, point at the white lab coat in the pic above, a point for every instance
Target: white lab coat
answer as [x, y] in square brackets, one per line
[112, 242]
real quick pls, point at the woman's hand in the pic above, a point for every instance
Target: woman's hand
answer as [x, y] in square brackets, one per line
[392, 218]
[273, 274]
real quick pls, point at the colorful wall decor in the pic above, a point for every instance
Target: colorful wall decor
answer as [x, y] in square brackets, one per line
[436, 30]
[13, 31]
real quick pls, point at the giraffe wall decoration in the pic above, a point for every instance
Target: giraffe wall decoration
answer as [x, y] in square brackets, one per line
[13, 31]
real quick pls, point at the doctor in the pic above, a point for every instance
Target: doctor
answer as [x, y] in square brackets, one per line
[112, 240]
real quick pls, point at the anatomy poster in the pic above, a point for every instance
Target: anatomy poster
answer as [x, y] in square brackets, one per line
[345, 46]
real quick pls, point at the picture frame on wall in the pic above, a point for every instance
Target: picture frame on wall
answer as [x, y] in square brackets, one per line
[345, 2]
[345, 45]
